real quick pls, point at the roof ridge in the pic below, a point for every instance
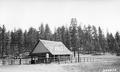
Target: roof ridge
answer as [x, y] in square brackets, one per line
[49, 40]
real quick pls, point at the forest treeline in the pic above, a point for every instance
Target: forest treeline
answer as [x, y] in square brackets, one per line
[89, 39]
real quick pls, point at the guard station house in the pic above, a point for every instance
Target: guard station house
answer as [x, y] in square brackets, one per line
[49, 51]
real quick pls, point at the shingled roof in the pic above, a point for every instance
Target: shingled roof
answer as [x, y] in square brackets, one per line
[54, 47]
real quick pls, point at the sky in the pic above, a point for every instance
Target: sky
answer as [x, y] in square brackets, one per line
[31, 13]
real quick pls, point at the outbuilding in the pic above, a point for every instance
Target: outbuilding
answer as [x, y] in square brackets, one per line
[49, 51]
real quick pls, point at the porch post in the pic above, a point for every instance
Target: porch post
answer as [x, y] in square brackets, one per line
[59, 59]
[47, 57]
[54, 58]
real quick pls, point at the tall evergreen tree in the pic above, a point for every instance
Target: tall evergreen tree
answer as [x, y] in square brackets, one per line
[117, 38]
[7, 43]
[67, 39]
[80, 37]
[42, 31]
[0, 41]
[88, 45]
[111, 43]
[3, 41]
[101, 40]
[58, 34]
[95, 39]
[63, 34]
[73, 34]
[47, 32]
[54, 36]
[26, 41]
[20, 39]
[14, 43]
[32, 38]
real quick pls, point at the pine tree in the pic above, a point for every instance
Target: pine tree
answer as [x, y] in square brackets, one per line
[32, 38]
[95, 39]
[111, 43]
[101, 40]
[26, 41]
[0, 41]
[54, 36]
[47, 32]
[73, 34]
[20, 39]
[67, 39]
[12, 44]
[3, 41]
[42, 31]
[7, 43]
[117, 38]
[88, 43]
[80, 37]
[63, 34]
[58, 34]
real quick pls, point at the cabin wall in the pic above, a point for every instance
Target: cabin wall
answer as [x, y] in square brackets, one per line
[41, 58]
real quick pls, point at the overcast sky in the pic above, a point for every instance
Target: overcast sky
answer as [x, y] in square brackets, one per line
[31, 13]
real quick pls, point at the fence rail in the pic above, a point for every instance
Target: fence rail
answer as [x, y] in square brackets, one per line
[55, 60]
[14, 61]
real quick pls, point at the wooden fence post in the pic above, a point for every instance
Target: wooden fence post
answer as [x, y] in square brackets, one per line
[20, 61]
[84, 59]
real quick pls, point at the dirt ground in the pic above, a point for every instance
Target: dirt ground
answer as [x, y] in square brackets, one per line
[107, 64]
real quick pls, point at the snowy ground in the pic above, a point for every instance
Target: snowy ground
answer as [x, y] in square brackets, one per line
[108, 63]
